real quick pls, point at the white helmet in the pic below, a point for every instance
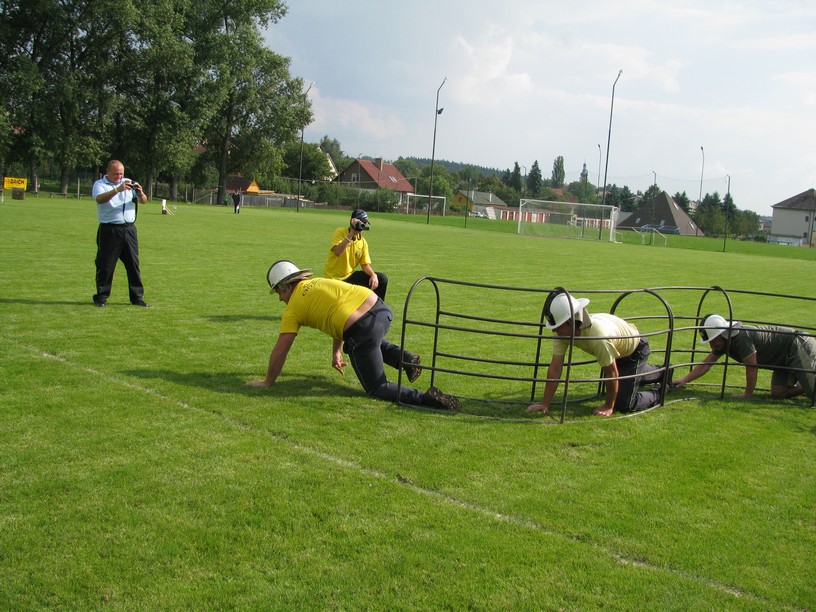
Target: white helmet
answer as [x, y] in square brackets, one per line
[561, 306]
[713, 326]
[284, 270]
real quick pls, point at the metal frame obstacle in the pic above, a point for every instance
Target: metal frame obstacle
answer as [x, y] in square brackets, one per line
[493, 360]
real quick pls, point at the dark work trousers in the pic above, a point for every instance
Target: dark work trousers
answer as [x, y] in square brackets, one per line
[115, 242]
[360, 278]
[629, 399]
[368, 351]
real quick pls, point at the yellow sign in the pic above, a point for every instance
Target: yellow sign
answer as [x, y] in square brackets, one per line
[14, 183]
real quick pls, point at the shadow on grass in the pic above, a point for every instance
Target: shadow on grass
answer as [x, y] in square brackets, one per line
[88, 302]
[239, 318]
[236, 384]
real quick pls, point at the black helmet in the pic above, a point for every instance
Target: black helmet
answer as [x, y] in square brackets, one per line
[360, 215]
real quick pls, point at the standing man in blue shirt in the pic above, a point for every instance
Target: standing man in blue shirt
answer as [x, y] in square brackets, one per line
[117, 202]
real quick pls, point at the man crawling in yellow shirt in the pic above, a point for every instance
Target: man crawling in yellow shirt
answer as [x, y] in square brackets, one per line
[357, 321]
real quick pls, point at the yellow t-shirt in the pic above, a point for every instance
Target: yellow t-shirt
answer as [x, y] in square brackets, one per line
[604, 346]
[355, 254]
[324, 304]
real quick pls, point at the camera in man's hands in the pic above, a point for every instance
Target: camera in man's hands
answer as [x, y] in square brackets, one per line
[359, 226]
[134, 185]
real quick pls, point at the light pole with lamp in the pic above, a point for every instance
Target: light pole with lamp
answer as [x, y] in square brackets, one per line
[654, 184]
[609, 135]
[302, 127]
[437, 111]
[599, 172]
[702, 170]
[727, 198]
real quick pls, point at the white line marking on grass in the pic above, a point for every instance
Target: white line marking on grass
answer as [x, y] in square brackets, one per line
[420, 490]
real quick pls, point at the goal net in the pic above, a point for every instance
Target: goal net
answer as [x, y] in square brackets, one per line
[418, 203]
[567, 219]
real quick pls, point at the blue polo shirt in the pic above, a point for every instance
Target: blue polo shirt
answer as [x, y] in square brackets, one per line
[119, 209]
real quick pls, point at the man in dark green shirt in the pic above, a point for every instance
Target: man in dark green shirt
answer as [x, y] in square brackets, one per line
[791, 355]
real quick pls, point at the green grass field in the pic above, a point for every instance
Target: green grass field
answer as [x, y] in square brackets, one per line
[137, 469]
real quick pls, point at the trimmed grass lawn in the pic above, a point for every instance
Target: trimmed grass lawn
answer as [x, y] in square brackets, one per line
[137, 469]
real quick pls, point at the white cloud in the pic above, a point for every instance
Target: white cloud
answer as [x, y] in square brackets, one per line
[354, 116]
[534, 82]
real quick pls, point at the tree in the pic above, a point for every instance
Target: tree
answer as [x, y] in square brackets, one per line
[558, 173]
[331, 147]
[260, 106]
[682, 200]
[744, 223]
[621, 197]
[515, 181]
[315, 164]
[709, 214]
[534, 183]
[580, 191]
[409, 170]
[57, 56]
[650, 197]
[170, 99]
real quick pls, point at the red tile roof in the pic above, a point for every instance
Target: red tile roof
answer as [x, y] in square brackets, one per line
[387, 177]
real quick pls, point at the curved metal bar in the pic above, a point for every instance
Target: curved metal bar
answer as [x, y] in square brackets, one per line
[536, 332]
[670, 335]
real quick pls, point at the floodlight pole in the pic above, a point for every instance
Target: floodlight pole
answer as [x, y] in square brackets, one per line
[437, 112]
[702, 170]
[609, 135]
[302, 127]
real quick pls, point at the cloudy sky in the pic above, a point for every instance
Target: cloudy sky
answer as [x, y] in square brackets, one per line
[531, 80]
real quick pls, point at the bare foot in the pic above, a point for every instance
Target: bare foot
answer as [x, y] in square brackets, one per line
[538, 408]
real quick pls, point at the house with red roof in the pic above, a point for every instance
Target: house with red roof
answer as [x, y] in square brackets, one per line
[376, 174]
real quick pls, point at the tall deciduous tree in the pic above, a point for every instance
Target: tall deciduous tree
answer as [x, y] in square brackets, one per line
[261, 106]
[558, 173]
[170, 95]
[315, 164]
[54, 86]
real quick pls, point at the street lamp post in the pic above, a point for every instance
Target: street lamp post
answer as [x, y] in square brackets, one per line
[702, 170]
[727, 197]
[302, 127]
[655, 179]
[599, 172]
[437, 112]
[609, 135]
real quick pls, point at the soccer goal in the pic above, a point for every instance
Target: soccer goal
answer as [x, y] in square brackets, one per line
[567, 219]
[417, 202]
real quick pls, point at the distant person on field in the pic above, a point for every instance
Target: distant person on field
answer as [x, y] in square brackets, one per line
[790, 353]
[617, 346]
[357, 321]
[236, 202]
[117, 204]
[348, 250]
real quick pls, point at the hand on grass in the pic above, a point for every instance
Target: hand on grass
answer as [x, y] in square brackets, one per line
[338, 364]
